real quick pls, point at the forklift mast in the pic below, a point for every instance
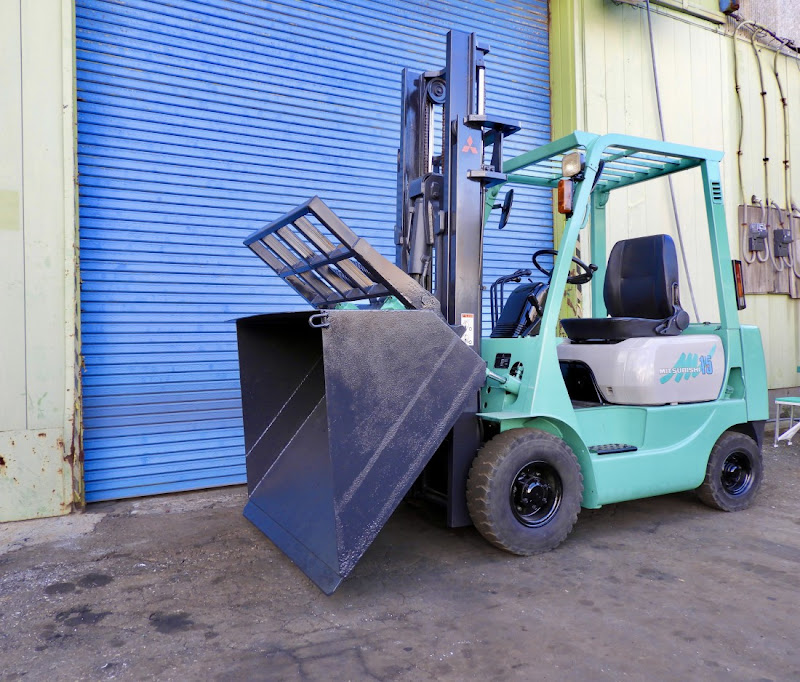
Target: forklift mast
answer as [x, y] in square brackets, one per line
[440, 207]
[440, 216]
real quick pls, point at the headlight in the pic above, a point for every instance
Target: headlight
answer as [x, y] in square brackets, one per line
[572, 164]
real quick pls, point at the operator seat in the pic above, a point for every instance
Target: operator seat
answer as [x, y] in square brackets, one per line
[519, 316]
[640, 293]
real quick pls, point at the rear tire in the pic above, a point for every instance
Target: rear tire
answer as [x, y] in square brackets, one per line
[524, 491]
[734, 473]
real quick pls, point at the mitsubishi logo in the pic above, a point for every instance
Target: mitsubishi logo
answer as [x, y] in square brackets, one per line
[470, 146]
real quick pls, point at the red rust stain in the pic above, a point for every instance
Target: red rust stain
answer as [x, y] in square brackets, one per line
[60, 442]
[69, 455]
[2, 462]
[13, 443]
[42, 435]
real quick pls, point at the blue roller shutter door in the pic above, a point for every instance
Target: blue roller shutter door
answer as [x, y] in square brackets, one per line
[199, 121]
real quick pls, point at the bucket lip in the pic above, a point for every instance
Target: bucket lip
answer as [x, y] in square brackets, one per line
[278, 314]
[293, 314]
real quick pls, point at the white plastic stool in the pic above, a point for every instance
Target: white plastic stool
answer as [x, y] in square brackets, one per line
[793, 428]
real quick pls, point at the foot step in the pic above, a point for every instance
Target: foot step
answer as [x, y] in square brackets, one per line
[612, 448]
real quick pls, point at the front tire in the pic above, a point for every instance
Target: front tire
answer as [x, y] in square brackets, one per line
[734, 473]
[524, 491]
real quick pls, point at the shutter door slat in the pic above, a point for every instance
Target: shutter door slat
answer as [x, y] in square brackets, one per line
[198, 122]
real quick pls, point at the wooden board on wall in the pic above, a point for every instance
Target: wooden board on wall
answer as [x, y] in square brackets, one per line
[765, 274]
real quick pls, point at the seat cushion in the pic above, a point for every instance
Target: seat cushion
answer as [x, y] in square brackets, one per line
[619, 328]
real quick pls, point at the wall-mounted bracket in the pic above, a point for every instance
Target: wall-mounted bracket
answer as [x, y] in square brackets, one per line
[780, 242]
[757, 237]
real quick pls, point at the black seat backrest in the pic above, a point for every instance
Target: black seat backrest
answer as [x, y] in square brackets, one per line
[515, 319]
[642, 278]
[640, 292]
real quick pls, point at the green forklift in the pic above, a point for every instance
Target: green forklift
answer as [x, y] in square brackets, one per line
[389, 387]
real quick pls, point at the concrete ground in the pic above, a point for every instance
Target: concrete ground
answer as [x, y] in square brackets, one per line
[182, 587]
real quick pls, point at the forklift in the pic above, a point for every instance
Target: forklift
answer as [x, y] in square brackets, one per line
[389, 385]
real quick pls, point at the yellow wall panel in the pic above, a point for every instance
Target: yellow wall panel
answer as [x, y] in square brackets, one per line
[38, 439]
[43, 210]
[12, 250]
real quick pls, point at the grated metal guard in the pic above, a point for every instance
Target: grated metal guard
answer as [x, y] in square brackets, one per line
[328, 263]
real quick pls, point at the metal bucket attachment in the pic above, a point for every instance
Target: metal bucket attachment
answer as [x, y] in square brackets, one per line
[340, 419]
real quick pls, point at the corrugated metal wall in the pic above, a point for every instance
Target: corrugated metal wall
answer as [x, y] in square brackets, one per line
[199, 121]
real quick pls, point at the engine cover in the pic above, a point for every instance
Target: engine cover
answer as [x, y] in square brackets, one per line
[653, 371]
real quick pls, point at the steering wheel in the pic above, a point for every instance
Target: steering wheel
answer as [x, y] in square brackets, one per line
[579, 278]
[506, 209]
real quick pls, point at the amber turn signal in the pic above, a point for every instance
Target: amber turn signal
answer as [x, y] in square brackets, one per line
[565, 189]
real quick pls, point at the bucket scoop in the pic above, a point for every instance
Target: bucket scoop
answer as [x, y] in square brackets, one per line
[343, 405]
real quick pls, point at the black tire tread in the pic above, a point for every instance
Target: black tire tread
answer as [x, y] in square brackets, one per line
[710, 491]
[485, 469]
